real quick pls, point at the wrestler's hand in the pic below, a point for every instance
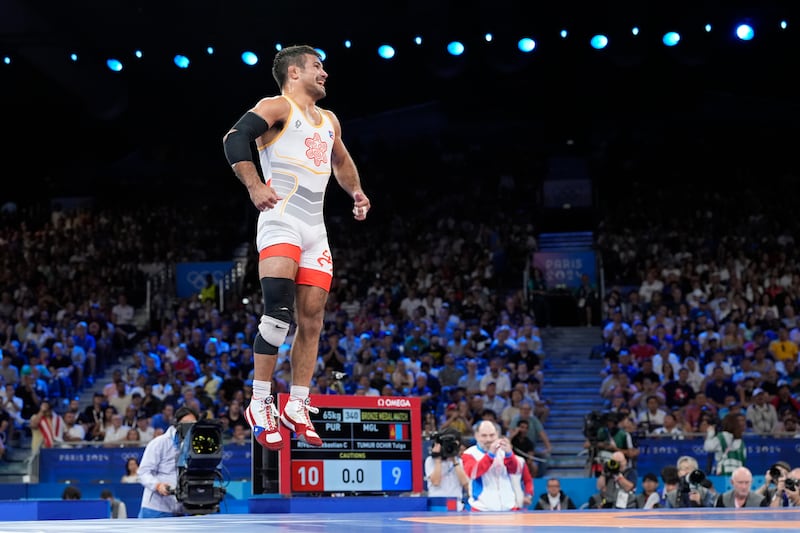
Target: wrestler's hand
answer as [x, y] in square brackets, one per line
[263, 196]
[360, 206]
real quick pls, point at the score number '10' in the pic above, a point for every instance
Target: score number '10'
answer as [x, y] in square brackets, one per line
[351, 476]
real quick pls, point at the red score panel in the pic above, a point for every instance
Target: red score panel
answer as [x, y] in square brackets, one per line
[308, 475]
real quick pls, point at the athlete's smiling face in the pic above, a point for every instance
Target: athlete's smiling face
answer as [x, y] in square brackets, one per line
[313, 77]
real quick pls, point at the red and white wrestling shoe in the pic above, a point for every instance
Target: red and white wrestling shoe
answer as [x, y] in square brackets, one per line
[295, 417]
[262, 417]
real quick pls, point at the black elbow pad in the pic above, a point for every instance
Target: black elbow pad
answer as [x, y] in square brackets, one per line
[237, 142]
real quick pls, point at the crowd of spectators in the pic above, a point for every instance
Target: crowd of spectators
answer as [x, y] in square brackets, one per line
[710, 327]
[428, 319]
[700, 334]
[699, 318]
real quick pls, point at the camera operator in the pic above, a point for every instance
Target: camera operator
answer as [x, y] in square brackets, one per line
[693, 488]
[158, 470]
[776, 475]
[616, 437]
[616, 485]
[444, 471]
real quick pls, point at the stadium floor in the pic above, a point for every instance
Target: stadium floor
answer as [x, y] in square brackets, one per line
[712, 520]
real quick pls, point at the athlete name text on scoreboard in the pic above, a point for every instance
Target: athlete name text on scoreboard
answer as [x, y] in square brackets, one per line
[345, 430]
[364, 450]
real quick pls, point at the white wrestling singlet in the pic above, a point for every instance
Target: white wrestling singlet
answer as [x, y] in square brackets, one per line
[297, 164]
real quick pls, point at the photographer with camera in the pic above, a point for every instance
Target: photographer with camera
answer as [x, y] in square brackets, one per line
[774, 487]
[616, 485]
[444, 471]
[792, 488]
[158, 470]
[693, 488]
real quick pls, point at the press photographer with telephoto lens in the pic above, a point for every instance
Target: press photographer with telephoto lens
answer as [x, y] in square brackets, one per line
[616, 485]
[444, 472]
[694, 489]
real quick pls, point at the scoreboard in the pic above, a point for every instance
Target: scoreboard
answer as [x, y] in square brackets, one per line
[371, 444]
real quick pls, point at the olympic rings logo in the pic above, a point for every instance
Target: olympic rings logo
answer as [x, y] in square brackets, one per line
[197, 278]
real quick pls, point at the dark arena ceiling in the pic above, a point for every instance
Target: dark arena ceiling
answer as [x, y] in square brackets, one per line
[65, 117]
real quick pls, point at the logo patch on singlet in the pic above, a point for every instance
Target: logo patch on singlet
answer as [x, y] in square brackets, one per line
[297, 124]
[317, 149]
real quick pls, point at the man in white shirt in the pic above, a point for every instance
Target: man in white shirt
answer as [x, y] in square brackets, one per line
[12, 404]
[650, 285]
[146, 431]
[122, 313]
[117, 432]
[652, 416]
[73, 430]
[122, 317]
[496, 375]
[761, 415]
[670, 429]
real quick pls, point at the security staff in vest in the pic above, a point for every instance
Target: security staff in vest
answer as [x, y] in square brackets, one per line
[158, 470]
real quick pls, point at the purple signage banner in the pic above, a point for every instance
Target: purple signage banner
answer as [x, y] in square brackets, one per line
[563, 269]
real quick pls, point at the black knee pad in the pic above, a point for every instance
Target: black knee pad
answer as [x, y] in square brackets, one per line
[277, 317]
[278, 298]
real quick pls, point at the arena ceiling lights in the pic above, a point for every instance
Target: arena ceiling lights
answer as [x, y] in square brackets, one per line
[744, 30]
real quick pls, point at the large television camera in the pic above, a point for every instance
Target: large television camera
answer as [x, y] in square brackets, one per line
[594, 422]
[199, 464]
[449, 441]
